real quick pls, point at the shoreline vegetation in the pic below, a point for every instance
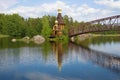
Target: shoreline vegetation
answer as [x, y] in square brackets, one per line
[38, 39]
[2, 36]
[85, 39]
[105, 34]
[90, 35]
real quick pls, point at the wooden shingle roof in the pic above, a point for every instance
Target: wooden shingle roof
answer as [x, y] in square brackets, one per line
[60, 19]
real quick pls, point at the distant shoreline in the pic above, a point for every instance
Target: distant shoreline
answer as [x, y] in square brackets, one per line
[105, 35]
[2, 36]
[94, 35]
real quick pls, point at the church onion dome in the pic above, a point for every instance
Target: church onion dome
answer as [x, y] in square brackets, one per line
[60, 18]
[56, 22]
[59, 10]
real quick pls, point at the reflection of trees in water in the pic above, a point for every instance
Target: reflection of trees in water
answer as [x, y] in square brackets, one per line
[7, 43]
[9, 57]
[100, 39]
[57, 52]
[105, 39]
[100, 58]
[46, 50]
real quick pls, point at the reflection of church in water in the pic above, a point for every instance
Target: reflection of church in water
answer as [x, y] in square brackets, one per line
[58, 52]
[58, 31]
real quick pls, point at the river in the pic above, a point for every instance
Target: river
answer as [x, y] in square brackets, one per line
[93, 59]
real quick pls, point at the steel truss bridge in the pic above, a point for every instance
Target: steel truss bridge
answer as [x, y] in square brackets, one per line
[100, 25]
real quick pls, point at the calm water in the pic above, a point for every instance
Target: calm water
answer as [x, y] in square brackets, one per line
[100, 60]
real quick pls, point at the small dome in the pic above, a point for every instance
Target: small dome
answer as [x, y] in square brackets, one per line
[56, 21]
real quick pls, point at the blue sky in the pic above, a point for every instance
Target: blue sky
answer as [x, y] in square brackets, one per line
[81, 10]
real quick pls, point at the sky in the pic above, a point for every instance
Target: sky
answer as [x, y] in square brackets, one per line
[81, 10]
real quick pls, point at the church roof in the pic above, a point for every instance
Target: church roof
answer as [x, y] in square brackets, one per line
[60, 19]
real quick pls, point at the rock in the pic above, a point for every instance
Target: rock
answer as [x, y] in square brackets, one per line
[72, 39]
[13, 40]
[84, 37]
[38, 39]
[26, 41]
[26, 38]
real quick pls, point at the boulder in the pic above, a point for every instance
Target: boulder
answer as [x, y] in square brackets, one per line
[38, 39]
[72, 39]
[13, 40]
[26, 38]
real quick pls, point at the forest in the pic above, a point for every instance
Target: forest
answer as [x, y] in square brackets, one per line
[17, 26]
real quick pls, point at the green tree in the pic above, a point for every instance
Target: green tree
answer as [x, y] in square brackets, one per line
[51, 20]
[46, 30]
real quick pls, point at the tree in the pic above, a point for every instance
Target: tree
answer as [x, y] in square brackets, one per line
[46, 30]
[51, 20]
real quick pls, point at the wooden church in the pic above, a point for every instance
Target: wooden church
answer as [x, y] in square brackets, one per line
[59, 25]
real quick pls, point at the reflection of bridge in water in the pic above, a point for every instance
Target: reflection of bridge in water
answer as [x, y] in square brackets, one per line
[105, 60]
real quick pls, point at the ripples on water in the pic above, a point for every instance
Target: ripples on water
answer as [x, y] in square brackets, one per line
[58, 61]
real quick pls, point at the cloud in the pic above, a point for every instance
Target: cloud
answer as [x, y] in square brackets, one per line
[35, 11]
[42, 76]
[4, 4]
[80, 13]
[39, 76]
[109, 3]
[85, 12]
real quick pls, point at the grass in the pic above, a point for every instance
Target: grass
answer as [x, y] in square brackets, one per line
[62, 38]
[2, 36]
